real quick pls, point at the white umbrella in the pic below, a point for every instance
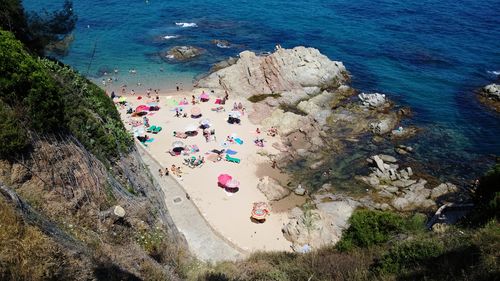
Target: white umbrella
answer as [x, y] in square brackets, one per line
[234, 114]
[177, 144]
[191, 128]
[232, 183]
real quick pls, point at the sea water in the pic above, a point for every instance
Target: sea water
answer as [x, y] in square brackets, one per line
[427, 54]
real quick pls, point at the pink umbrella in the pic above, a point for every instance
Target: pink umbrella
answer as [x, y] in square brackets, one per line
[141, 108]
[222, 179]
[232, 183]
[195, 111]
[204, 96]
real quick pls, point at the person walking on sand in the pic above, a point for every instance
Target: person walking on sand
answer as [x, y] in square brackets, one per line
[160, 171]
[166, 172]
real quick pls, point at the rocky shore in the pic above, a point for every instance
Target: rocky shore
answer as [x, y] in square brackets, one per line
[490, 96]
[306, 96]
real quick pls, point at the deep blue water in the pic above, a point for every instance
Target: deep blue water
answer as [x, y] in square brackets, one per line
[427, 54]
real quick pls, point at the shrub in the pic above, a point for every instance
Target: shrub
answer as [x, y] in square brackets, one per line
[370, 228]
[12, 134]
[409, 254]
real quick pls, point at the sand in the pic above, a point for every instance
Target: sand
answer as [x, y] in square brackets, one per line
[228, 213]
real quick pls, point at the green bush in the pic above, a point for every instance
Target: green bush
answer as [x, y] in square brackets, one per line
[12, 134]
[51, 98]
[370, 228]
[409, 254]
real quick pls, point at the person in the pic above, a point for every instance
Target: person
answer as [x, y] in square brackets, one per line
[173, 169]
[193, 100]
[240, 106]
[177, 87]
[157, 98]
[148, 93]
[185, 115]
[160, 171]
[226, 96]
[274, 164]
[257, 131]
[166, 172]
[113, 94]
[179, 172]
[132, 92]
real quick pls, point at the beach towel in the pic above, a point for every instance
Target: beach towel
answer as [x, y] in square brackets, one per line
[150, 140]
[238, 141]
[231, 152]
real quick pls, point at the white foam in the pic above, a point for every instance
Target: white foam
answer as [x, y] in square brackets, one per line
[186, 24]
[223, 46]
[167, 37]
[497, 72]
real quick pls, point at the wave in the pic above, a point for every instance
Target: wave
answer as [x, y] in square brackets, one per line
[494, 72]
[167, 37]
[223, 46]
[186, 24]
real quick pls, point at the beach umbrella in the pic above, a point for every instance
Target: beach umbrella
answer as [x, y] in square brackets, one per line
[191, 128]
[260, 210]
[204, 96]
[142, 108]
[153, 104]
[205, 122]
[232, 183]
[234, 114]
[223, 179]
[177, 149]
[177, 144]
[195, 111]
[122, 99]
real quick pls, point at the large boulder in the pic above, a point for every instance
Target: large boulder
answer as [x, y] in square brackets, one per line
[182, 53]
[443, 189]
[372, 100]
[491, 91]
[321, 226]
[272, 189]
[286, 70]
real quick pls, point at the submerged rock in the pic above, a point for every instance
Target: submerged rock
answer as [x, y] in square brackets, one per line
[182, 53]
[490, 96]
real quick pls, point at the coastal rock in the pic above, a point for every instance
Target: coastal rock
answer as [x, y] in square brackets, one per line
[272, 189]
[182, 53]
[379, 162]
[321, 226]
[443, 189]
[285, 70]
[285, 122]
[490, 96]
[388, 158]
[491, 91]
[372, 100]
[221, 43]
[223, 64]
[300, 191]
[382, 127]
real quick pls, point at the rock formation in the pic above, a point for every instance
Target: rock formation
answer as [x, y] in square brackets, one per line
[272, 188]
[298, 72]
[490, 96]
[182, 53]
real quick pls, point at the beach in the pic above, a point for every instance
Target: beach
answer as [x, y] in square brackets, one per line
[227, 212]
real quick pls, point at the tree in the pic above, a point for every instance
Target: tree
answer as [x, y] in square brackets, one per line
[37, 30]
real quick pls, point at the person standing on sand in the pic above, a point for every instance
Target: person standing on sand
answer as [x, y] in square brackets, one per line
[166, 172]
[173, 169]
[160, 171]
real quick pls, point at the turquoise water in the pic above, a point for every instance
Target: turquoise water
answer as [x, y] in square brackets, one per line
[427, 54]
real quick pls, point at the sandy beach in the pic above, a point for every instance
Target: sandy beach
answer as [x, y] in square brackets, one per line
[228, 213]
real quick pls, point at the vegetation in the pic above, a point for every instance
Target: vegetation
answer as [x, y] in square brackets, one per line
[37, 31]
[487, 198]
[47, 97]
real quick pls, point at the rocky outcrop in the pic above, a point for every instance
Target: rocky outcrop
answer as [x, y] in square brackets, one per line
[490, 96]
[321, 226]
[398, 188]
[182, 53]
[221, 43]
[272, 188]
[372, 100]
[294, 71]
